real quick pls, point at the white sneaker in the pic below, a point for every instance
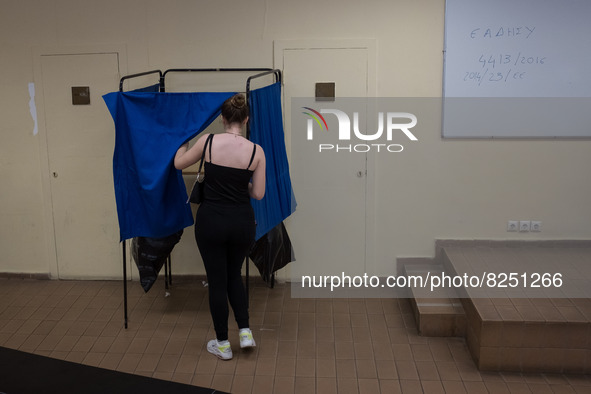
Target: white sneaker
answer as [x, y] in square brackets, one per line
[220, 349]
[246, 339]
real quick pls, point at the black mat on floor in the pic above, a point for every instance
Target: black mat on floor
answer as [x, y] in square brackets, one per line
[24, 373]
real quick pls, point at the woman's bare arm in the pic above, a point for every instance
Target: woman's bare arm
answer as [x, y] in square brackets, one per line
[186, 156]
[256, 189]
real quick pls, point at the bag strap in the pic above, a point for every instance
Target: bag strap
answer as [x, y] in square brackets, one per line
[209, 138]
[254, 149]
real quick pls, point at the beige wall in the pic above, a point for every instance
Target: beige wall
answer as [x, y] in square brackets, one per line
[436, 189]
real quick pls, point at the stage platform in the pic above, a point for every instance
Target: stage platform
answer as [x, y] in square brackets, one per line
[524, 323]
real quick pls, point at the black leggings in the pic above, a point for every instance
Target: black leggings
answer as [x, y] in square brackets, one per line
[224, 235]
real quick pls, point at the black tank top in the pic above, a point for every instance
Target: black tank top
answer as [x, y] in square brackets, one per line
[227, 185]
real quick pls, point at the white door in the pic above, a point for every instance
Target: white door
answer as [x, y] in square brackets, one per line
[328, 229]
[80, 143]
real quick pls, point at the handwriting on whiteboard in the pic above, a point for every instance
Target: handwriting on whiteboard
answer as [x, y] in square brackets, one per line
[510, 59]
[502, 32]
[502, 67]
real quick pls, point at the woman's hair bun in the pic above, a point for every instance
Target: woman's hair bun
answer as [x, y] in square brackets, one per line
[238, 101]
[235, 109]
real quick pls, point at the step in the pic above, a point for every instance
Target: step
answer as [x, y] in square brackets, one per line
[438, 313]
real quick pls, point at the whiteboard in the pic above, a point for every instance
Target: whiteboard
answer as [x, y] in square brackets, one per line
[517, 68]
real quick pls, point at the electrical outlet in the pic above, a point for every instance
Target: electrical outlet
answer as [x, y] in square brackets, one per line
[536, 226]
[524, 226]
[512, 225]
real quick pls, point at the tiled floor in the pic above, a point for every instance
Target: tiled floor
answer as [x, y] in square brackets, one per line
[304, 345]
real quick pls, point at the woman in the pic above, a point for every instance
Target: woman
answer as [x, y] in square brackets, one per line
[224, 224]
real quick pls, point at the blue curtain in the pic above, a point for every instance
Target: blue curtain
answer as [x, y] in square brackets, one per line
[151, 88]
[149, 128]
[266, 129]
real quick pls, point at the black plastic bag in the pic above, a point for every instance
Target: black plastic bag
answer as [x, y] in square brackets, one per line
[272, 252]
[150, 254]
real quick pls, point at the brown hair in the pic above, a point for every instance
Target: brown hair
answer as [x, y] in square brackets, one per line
[235, 109]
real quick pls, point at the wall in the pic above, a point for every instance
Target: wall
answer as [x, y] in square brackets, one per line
[436, 189]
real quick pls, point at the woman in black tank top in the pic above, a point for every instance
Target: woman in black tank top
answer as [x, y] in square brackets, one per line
[224, 224]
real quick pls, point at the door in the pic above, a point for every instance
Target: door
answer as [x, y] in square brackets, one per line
[328, 229]
[80, 143]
